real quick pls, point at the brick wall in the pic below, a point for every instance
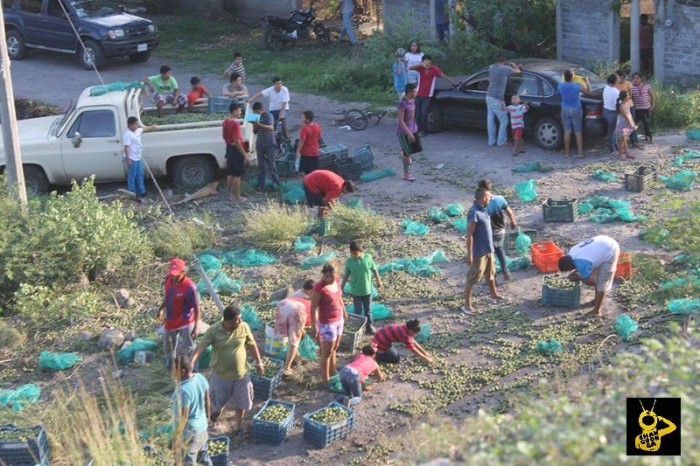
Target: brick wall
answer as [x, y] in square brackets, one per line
[584, 31]
[681, 51]
[395, 11]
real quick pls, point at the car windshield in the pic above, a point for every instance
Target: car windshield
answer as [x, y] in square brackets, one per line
[596, 83]
[93, 8]
[60, 122]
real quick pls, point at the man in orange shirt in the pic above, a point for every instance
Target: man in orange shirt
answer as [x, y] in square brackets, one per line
[309, 145]
[197, 93]
[323, 187]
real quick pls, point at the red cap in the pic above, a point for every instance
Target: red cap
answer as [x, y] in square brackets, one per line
[176, 267]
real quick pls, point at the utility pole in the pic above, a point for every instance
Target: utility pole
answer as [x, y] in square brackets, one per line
[8, 118]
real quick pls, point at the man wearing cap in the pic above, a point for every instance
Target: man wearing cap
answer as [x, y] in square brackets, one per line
[198, 93]
[165, 90]
[323, 187]
[400, 71]
[181, 305]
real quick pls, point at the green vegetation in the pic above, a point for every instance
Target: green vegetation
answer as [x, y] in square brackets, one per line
[357, 223]
[275, 226]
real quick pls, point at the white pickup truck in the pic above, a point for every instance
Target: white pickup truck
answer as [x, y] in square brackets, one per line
[87, 140]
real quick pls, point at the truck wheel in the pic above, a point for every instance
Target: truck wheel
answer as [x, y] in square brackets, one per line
[548, 134]
[434, 120]
[141, 57]
[15, 45]
[92, 53]
[35, 180]
[193, 171]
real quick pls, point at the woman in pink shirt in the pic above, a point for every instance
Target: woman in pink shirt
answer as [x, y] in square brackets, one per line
[353, 376]
[329, 314]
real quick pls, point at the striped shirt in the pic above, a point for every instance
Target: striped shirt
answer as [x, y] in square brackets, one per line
[517, 115]
[236, 68]
[641, 96]
[394, 333]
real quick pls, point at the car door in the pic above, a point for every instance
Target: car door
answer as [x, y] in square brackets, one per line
[93, 146]
[58, 32]
[33, 24]
[530, 89]
[473, 100]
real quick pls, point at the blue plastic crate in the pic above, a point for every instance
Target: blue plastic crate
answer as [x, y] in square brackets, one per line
[264, 387]
[561, 297]
[363, 157]
[34, 450]
[272, 432]
[322, 435]
[222, 458]
[329, 156]
[222, 104]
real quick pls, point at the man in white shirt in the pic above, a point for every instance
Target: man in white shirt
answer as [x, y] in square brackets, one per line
[610, 95]
[133, 154]
[279, 102]
[594, 262]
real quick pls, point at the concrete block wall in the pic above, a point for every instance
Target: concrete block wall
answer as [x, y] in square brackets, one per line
[422, 16]
[585, 31]
[681, 51]
[249, 11]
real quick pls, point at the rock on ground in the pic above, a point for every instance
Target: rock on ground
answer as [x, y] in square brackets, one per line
[111, 338]
[124, 298]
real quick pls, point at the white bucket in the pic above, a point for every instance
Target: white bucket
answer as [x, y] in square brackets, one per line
[274, 343]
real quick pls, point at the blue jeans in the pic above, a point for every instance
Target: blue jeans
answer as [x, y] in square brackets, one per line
[197, 450]
[494, 109]
[611, 119]
[422, 105]
[363, 303]
[499, 237]
[134, 178]
[348, 28]
[350, 380]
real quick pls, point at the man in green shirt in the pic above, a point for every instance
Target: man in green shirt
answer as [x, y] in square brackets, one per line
[165, 90]
[229, 379]
[359, 269]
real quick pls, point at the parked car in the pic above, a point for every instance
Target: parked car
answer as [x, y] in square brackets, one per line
[104, 28]
[464, 105]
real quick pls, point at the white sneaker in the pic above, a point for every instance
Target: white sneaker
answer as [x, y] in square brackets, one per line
[467, 311]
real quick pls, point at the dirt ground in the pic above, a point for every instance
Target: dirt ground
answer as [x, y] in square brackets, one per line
[446, 172]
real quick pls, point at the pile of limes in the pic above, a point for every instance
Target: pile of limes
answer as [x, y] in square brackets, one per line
[275, 413]
[330, 415]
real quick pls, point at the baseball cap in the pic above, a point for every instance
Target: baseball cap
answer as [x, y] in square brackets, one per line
[400, 52]
[177, 266]
[195, 80]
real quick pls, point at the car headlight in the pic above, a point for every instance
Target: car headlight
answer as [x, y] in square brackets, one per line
[115, 33]
[152, 28]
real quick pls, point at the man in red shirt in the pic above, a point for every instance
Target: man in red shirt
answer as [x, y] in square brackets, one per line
[427, 72]
[323, 187]
[181, 304]
[309, 143]
[385, 337]
[197, 93]
[236, 155]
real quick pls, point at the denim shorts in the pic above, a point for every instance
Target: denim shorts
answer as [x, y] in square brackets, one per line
[330, 332]
[572, 119]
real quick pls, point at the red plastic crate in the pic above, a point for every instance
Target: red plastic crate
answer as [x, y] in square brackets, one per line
[624, 266]
[545, 256]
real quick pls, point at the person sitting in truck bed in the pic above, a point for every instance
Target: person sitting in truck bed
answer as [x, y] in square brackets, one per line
[198, 93]
[235, 88]
[165, 90]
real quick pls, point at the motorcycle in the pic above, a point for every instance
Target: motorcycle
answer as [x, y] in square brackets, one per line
[298, 26]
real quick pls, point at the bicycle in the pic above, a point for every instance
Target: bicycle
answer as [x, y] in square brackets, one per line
[358, 119]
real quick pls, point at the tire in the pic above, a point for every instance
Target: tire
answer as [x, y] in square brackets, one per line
[92, 53]
[356, 119]
[16, 48]
[193, 171]
[141, 57]
[435, 123]
[548, 133]
[35, 180]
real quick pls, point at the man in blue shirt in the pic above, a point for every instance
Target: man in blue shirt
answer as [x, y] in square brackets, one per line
[497, 210]
[191, 407]
[479, 249]
[572, 111]
[594, 262]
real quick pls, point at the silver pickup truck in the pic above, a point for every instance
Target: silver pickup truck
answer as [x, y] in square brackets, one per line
[87, 140]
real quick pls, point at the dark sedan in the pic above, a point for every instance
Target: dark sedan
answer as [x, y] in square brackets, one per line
[465, 105]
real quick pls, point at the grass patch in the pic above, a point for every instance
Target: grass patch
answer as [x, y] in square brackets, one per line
[275, 226]
[357, 222]
[184, 238]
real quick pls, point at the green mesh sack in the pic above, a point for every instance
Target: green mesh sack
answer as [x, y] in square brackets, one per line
[18, 398]
[295, 195]
[57, 361]
[126, 355]
[205, 358]
[334, 384]
[377, 174]
[681, 282]
[585, 208]
[308, 349]
[317, 261]
[381, 311]
[684, 305]
[523, 243]
[437, 257]
[527, 167]
[304, 244]
[526, 190]
[460, 224]
[115, 86]
[625, 326]
[374, 293]
[604, 175]
[549, 347]
[212, 252]
[221, 283]
[412, 228]
[627, 215]
[251, 317]
[437, 215]
[209, 262]
[454, 210]
[602, 215]
[248, 258]
[521, 263]
[656, 234]
[681, 181]
[355, 203]
[418, 266]
[424, 334]
[693, 134]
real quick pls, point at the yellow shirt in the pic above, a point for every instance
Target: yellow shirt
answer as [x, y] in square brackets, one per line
[577, 79]
[228, 355]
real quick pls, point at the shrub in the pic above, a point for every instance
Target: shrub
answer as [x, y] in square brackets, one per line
[184, 238]
[604, 69]
[275, 226]
[674, 107]
[44, 308]
[357, 223]
[10, 337]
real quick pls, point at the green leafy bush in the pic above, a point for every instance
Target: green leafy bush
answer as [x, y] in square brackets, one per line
[184, 238]
[46, 308]
[675, 107]
[357, 223]
[275, 226]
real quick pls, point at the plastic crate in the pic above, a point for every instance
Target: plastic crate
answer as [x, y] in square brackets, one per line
[561, 297]
[624, 266]
[221, 104]
[222, 458]
[640, 180]
[353, 331]
[34, 450]
[363, 156]
[264, 387]
[337, 151]
[545, 256]
[322, 435]
[510, 239]
[560, 211]
[272, 432]
[348, 169]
